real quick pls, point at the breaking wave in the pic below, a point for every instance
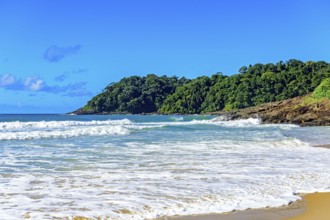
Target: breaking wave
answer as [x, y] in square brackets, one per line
[65, 129]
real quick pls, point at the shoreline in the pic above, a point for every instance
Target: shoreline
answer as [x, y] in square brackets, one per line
[310, 206]
[322, 145]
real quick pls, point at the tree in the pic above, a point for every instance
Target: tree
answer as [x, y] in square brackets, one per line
[243, 69]
[254, 85]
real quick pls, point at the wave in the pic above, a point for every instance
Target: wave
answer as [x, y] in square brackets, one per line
[239, 122]
[65, 129]
[18, 130]
[66, 133]
[176, 118]
[232, 123]
[249, 122]
[59, 124]
[234, 175]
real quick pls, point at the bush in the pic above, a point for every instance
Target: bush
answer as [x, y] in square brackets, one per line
[323, 90]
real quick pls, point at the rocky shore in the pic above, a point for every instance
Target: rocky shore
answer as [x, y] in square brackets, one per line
[303, 110]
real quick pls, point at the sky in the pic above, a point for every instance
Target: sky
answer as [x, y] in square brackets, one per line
[56, 55]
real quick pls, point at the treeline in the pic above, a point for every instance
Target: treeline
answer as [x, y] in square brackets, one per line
[254, 85]
[135, 95]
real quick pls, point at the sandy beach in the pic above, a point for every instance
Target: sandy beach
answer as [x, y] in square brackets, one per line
[317, 207]
[312, 206]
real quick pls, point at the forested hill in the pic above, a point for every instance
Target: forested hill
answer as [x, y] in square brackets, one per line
[253, 85]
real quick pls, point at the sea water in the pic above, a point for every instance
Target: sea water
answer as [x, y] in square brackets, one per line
[144, 167]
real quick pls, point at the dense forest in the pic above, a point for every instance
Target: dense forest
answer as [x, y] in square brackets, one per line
[253, 85]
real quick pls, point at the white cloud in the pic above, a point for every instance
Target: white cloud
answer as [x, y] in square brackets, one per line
[37, 84]
[6, 80]
[34, 83]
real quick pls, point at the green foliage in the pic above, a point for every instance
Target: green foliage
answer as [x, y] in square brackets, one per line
[188, 98]
[134, 95]
[263, 83]
[323, 90]
[254, 85]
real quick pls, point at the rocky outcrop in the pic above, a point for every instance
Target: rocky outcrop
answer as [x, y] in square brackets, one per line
[304, 111]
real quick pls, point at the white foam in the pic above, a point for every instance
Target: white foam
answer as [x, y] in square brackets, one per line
[58, 124]
[232, 123]
[59, 133]
[240, 122]
[163, 178]
[177, 118]
[250, 122]
[149, 175]
[65, 129]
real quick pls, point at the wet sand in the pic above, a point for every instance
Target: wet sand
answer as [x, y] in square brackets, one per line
[323, 145]
[317, 207]
[283, 212]
[312, 206]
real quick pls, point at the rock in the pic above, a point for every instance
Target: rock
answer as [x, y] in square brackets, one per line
[293, 111]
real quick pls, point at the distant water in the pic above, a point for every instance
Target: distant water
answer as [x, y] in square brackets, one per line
[140, 167]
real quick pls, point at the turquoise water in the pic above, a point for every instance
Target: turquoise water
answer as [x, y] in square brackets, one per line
[143, 167]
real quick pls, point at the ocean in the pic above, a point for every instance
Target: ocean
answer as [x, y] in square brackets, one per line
[148, 166]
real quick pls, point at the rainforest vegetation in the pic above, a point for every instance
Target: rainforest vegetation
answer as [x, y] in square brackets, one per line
[253, 85]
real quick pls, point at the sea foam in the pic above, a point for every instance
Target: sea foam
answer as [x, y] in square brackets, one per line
[157, 179]
[144, 168]
[65, 129]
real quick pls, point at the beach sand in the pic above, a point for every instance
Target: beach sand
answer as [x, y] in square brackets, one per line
[323, 145]
[283, 212]
[317, 207]
[312, 206]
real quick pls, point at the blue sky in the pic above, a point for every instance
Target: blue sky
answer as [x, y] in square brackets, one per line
[55, 55]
